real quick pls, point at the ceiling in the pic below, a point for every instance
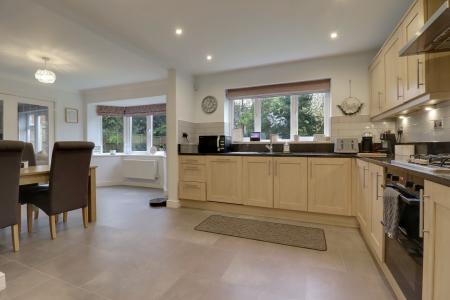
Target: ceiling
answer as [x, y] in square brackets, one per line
[105, 42]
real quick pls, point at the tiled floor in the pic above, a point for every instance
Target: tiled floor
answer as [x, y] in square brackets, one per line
[136, 252]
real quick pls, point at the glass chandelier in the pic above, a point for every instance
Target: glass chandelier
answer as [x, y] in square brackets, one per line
[44, 75]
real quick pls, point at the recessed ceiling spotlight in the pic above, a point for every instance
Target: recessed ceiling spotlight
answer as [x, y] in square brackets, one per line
[179, 31]
[334, 35]
[209, 57]
[429, 108]
[402, 117]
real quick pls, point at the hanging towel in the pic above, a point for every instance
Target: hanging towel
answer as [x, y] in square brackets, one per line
[391, 213]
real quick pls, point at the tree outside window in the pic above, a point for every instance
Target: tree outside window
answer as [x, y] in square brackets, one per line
[276, 117]
[159, 131]
[310, 114]
[112, 133]
[139, 133]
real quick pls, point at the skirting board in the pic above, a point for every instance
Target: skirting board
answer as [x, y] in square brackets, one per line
[306, 217]
[124, 183]
[2, 282]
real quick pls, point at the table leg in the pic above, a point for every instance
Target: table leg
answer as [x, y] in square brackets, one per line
[92, 202]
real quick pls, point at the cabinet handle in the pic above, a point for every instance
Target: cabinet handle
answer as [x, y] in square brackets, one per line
[270, 166]
[419, 84]
[364, 176]
[399, 79]
[422, 198]
[378, 196]
[191, 168]
[222, 159]
[191, 186]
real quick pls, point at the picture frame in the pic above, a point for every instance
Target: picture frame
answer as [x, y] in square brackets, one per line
[71, 115]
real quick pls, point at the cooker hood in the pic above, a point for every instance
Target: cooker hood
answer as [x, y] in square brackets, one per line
[434, 36]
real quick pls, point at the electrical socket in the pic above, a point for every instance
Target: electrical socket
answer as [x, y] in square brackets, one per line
[438, 124]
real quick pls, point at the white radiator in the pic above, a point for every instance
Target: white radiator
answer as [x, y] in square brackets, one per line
[140, 169]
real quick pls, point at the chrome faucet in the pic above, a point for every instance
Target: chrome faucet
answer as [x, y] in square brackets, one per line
[270, 146]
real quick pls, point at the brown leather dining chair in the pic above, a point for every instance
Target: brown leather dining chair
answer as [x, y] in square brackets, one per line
[10, 157]
[24, 190]
[68, 184]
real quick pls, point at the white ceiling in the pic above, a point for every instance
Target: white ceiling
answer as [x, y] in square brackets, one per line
[103, 42]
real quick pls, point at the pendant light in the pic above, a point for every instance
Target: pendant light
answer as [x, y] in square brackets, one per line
[44, 75]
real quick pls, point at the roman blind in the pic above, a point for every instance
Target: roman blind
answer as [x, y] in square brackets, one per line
[140, 110]
[313, 86]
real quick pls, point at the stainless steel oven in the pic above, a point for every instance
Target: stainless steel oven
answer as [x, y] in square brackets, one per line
[404, 254]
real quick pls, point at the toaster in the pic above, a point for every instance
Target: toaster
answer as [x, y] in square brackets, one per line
[346, 145]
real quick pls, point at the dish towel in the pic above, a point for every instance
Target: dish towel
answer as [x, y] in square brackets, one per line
[391, 213]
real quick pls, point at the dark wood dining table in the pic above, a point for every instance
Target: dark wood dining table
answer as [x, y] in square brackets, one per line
[41, 174]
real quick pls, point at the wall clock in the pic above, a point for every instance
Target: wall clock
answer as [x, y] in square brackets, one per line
[209, 104]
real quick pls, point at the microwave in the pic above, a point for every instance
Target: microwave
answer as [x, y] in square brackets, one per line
[214, 144]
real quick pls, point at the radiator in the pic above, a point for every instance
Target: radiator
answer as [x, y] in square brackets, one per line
[2, 282]
[140, 169]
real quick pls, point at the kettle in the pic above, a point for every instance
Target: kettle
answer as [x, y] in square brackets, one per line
[367, 143]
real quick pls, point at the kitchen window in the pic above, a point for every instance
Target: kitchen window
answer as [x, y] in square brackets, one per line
[301, 108]
[112, 132]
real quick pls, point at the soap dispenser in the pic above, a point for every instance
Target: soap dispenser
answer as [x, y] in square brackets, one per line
[286, 148]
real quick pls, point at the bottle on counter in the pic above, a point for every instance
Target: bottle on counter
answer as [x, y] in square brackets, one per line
[286, 148]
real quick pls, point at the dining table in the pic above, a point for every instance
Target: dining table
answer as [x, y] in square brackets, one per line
[41, 174]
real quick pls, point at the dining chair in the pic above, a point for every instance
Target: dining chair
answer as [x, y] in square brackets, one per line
[10, 157]
[28, 155]
[68, 184]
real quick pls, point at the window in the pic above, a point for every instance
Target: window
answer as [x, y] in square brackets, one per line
[112, 129]
[159, 131]
[139, 133]
[34, 128]
[286, 115]
[133, 134]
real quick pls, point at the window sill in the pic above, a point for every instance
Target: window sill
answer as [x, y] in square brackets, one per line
[282, 142]
[143, 154]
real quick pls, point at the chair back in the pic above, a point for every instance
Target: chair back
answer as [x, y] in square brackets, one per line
[29, 155]
[69, 176]
[10, 157]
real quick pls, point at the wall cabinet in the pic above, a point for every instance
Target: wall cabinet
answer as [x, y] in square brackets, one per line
[400, 80]
[329, 186]
[377, 87]
[258, 181]
[436, 265]
[224, 179]
[291, 183]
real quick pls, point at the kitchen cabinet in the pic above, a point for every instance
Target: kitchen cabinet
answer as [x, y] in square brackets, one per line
[363, 196]
[377, 87]
[376, 230]
[290, 178]
[329, 186]
[393, 67]
[192, 178]
[258, 181]
[224, 179]
[436, 265]
[415, 64]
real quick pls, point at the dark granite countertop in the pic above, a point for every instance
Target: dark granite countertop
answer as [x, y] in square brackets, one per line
[443, 179]
[278, 154]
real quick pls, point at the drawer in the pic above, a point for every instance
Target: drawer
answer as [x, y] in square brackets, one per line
[192, 172]
[192, 159]
[192, 190]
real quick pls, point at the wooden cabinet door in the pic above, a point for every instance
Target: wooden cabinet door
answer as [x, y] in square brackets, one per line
[258, 181]
[436, 264]
[377, 89]
[395, 92]
[329, 186]
[291, 183]
[376, 210]
[363, 196]
[224, 179]
[414, 64]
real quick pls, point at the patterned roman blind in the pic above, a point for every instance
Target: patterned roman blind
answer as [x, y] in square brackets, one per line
[129, 111]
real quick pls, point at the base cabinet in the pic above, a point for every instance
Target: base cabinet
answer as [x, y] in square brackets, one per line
[224, 179]
[329, 186]
[258, 181]
[376, 230]
[363, 196]
[436, 265]
[291, 183]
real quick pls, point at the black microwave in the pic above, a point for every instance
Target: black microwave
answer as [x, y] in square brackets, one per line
[214, 144]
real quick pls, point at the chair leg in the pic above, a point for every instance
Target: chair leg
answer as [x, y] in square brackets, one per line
[30, 217]
[15, 237]
[85, 216]
[36, 212]
[52, 222]
[65, 217]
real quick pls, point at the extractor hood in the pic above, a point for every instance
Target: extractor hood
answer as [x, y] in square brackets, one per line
[434, 36]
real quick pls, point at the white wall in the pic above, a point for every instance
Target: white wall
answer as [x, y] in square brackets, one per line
[62, 100]
[340, 69]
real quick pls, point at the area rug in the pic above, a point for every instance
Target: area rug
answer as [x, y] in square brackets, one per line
[284, 234]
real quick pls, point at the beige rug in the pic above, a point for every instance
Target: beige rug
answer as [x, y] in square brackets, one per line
[285, 234]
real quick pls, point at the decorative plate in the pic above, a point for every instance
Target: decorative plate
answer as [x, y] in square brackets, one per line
[209, 104]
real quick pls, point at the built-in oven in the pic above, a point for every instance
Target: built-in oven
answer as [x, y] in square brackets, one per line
[404, 253]
[214, 144]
